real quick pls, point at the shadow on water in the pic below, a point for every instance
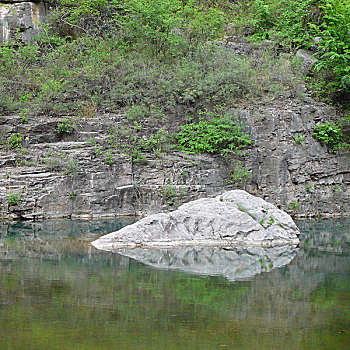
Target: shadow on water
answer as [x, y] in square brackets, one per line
[58, 292]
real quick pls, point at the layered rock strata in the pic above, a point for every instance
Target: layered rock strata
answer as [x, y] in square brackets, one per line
[77, 175]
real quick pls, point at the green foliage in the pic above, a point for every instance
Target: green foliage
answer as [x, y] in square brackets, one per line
[138, 157]
[61, 162]
[294, 205]
[170, 194]
[270, 222]
[73, 18]
[239, 174]
[334, 48]
[169, 27]
[328, 133]
[299, 139]
[158, 142]
[109, 157]
[158, 27]
[308, 188]
[15, 141]
[218, 134]
[98, 150]
[91, 141]
[296, 23]
[70, 167]
[90, 75]
[65, 126]
[13, 199]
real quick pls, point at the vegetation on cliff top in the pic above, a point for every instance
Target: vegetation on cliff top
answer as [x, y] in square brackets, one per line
[167, 58]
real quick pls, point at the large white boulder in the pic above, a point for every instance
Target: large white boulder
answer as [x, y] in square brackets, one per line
[234, 218]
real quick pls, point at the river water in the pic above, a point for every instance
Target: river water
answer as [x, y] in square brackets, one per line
[58, 292]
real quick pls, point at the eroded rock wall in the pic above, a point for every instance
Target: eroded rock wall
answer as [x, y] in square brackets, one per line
[289, 166]
[71, 176]
[20, 20]
[92, 184]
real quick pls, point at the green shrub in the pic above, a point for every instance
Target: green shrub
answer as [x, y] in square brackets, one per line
[294, 205]
[239, 174]
[169, 27]
[13, 199]
[138, 157]
[169, 193]
[109, 157]
[157, 142]
[334, 48]
[15, 141]
[328, 133]
[308, 188]
[215, 135]
[91, 75]
[299, 139]
[296, 23]
[70, 167]
[65, 126]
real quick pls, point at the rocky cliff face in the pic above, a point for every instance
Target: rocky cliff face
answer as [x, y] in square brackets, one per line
[20, 20]
[94, 183]
[289, 166]
[55, 175]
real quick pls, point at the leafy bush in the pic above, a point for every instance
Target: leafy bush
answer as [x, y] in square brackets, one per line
[211, 136]
[13, 199]
[329, 133]
[91, 75]
[157, 142]
[158, 27]
[65, 126]
[15, 141]
[239, 174]
[334, 48]
[296, 23]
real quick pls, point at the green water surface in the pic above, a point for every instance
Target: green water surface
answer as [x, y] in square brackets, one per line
[58, 292]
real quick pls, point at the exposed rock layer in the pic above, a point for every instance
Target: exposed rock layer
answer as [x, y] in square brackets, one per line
[20, 20]
[301, 177]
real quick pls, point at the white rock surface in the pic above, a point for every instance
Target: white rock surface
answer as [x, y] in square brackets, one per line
[234, 218]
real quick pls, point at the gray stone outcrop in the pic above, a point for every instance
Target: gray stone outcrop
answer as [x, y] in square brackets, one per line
[234, 218]
[20, 20]
[59, 176]
[307, 60]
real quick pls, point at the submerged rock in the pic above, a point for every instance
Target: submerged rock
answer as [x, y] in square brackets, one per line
[234, 218]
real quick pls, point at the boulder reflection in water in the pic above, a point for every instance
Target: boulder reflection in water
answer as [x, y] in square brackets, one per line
[234, 263]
